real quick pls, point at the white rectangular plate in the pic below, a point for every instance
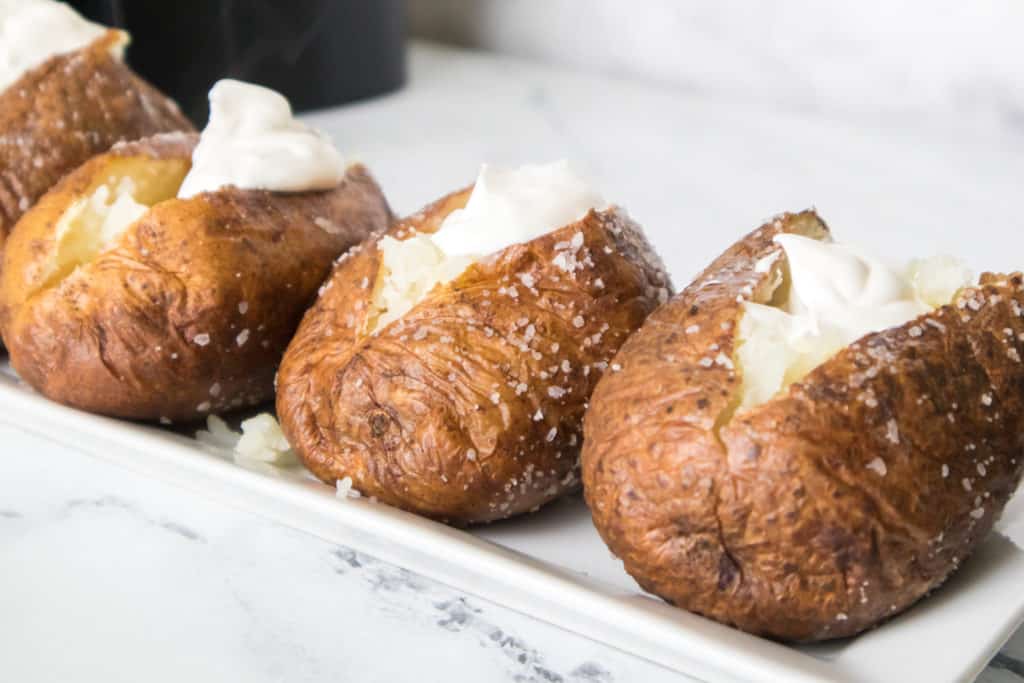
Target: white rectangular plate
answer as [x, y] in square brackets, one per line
[552, 565]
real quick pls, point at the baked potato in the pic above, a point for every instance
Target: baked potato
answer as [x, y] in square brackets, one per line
[467, 406]
[66, 110]
[831, 504]
[186, 310]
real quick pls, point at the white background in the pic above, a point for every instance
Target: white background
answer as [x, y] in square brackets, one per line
[935, 59]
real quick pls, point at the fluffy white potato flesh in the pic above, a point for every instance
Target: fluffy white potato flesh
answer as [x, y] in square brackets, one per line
[261, 440]
[409, 270]
[93, 224]
[832, 295]
[506, 207]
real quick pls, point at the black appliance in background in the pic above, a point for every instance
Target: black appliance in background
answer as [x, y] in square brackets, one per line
[318, 53]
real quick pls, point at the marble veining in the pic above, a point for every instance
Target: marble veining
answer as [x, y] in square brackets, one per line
[121, 505]
[216, 594]
[461, 614]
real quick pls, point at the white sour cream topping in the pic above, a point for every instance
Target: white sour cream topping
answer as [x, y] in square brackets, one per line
[845, 292]
[837, 295]
[513, 206]
[506, 207]
[32, 31]
[253, 141]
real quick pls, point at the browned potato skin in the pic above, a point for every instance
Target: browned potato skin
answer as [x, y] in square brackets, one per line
[399, 410]
[118, 336]
[68, 109]
[777, 526]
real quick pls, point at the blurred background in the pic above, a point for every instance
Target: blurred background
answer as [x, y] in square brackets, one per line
[916, 59]
[912, 58]
[319, 53]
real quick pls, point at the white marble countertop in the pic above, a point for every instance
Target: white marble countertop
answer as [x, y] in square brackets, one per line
[105, 575]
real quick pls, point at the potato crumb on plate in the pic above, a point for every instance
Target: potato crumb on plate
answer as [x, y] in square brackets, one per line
[261, 440]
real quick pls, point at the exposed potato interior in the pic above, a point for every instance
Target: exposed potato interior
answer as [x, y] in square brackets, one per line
[776, 348]
[125, 191]
[505, 207]
[409, 270]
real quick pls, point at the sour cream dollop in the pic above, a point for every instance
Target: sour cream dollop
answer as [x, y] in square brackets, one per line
[514, 206]
[506, 207]
[32, 31]
[253, 141]
[837, 295]
[845, 292]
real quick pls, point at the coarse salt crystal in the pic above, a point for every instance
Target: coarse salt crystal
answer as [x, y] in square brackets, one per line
[201, 339]
[892, 431]
[878, 467]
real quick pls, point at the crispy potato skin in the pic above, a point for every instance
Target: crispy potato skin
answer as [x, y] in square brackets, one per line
[467, 409]
[776, 524]
[125, 334]
[68, 109]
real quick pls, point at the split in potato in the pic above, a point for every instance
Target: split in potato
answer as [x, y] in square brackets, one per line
[119, 298]
[806, 484]
[450, 380]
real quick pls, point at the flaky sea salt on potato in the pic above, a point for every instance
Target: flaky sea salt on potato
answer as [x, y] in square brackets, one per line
[446, 367]
[804, 442]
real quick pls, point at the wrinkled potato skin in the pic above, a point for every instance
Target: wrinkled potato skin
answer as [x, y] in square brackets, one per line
[118, 336]
[778, 526]
[398, 411]
[63, 112]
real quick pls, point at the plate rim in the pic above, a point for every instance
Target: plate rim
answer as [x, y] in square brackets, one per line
[637, 624]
